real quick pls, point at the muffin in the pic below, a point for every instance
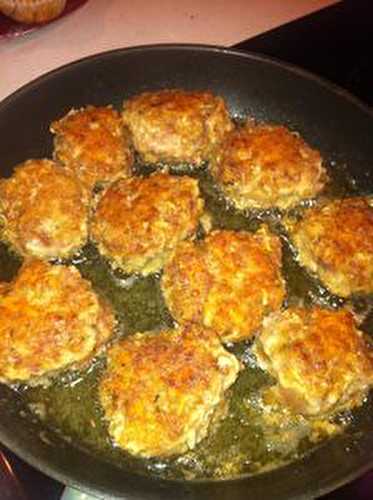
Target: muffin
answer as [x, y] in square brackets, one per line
[32, 11]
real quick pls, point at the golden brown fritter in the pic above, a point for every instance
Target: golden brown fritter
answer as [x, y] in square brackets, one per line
[319, 359]
[176, 126]
[92, 143]
[161, 390]
[43, 210]
[138, 221]
[229, 282]
[264, 166]
[50, 319]
[335, 241]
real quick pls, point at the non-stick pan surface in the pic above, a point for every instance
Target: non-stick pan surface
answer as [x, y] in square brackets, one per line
[269, 90]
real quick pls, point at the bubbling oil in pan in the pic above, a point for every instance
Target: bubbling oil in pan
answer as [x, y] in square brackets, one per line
[250, 439]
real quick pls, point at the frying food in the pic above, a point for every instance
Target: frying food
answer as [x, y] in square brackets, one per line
[92, 143]
[229, 282]
[43, 210]
[50, 319]
[265, 166]
[176, 126]
[161, 390]
[319, 359]
[335, 241]
[138, 221]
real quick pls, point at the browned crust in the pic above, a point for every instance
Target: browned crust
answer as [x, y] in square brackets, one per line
[32, 11]
[229, 282]
[160, 389]
[335, 240]
[267, 166]
[138, 221]
[93, 144]
[175, 125]
[43, 210]
[50, 319]
[319, 359]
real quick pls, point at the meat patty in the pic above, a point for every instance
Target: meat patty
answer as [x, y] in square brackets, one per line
[335, 241]
[319, 359]
[138, 221]
[50, 320]
[265, 166]
[161, 390]
[93, 144]
[229, 282]
[176, 126]
[43, 210]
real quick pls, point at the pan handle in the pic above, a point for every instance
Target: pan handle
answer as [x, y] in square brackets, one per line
[10, 487]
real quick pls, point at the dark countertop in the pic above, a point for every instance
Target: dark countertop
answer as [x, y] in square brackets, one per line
[335, 43]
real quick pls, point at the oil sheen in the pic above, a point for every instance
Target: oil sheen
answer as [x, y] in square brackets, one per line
[251, 438]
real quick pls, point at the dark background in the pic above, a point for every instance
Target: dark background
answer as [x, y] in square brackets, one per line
[335, 43]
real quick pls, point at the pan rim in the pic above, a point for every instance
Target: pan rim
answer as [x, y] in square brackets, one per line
[75, 482]
[41, 463]
[336, 89]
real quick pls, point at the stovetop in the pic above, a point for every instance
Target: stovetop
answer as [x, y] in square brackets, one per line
[335, 43]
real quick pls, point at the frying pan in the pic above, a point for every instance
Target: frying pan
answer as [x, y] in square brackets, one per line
[334, 122]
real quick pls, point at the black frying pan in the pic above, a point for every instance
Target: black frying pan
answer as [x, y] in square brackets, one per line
[330, 119]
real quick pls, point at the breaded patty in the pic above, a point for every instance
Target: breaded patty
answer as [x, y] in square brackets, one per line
[335, 241]
[161, 390]
[92, 143]
[319, 359]
[138, 221]
[43, 210]
[264, 166]
[230, 281]
[176, 126]
[50, 319]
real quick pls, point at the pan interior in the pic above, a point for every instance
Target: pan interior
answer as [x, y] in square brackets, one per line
[252, 86]
[244, 442]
